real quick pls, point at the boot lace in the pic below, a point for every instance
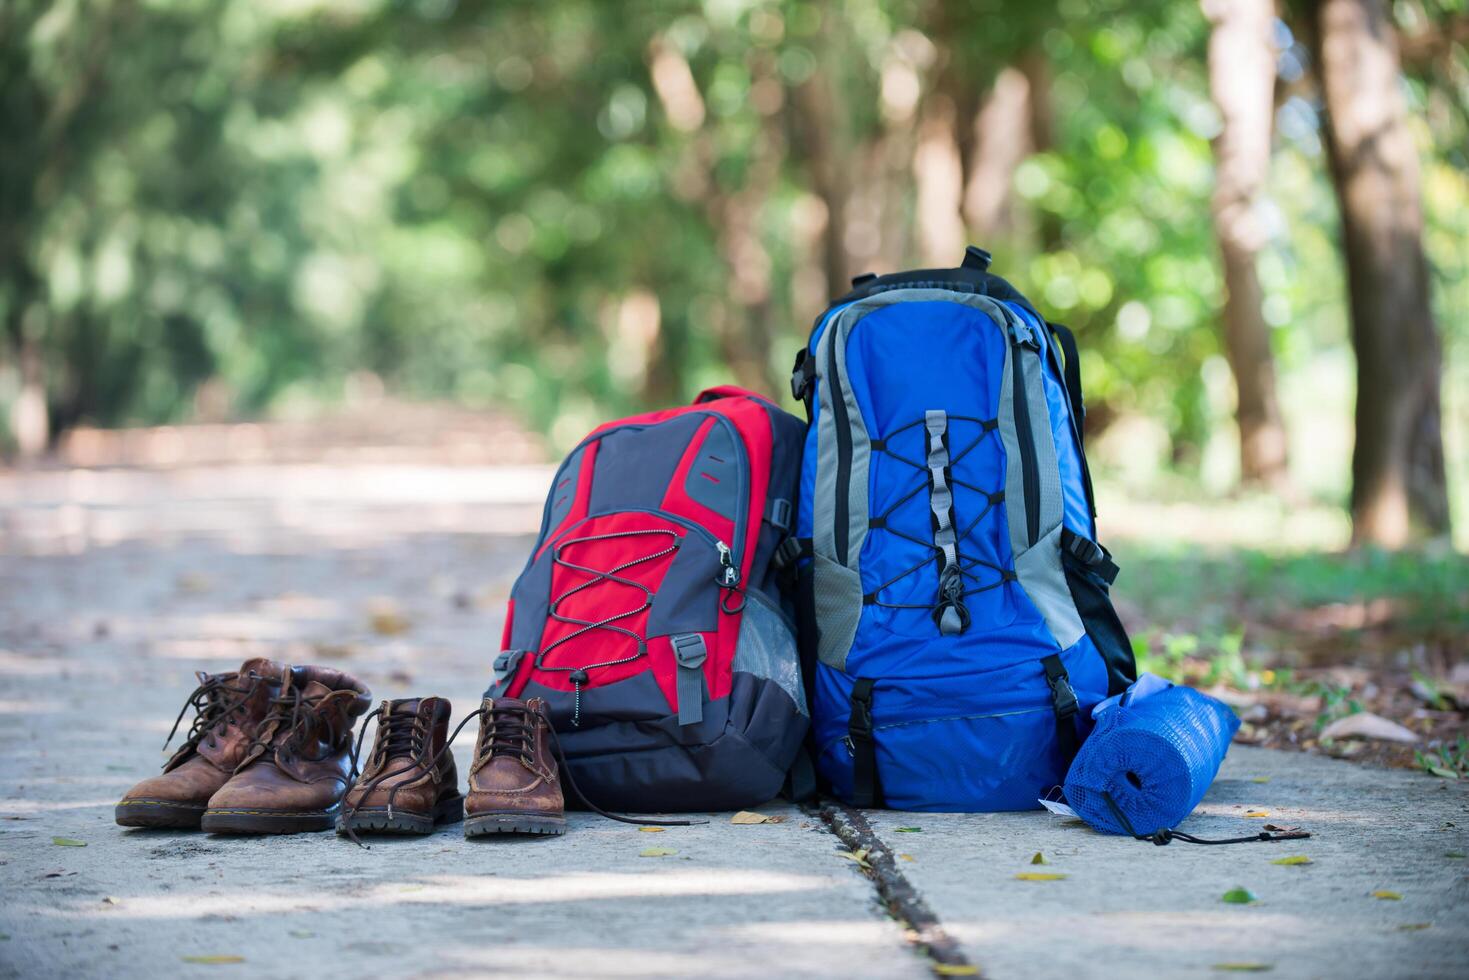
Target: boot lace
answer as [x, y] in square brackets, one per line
[510, 730]
[289, 722]
[216, 703]
[400, 736]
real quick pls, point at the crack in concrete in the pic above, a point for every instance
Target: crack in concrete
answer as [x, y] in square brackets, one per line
[898, 895]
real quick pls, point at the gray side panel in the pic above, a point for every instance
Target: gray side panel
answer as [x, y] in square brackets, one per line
[1044, 580]
[837, 589]
[563, 494]
[635, 465]
[714, 477]
[687, 600]
[1038, 568]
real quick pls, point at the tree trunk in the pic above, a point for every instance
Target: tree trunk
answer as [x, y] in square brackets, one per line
[1002, 141]
[820, 133]
[30, 423]
[939, 177]
[1037, 70]
[1399, 490]
[1242, 82]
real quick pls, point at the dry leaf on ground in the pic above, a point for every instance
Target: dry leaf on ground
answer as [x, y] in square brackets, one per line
[388, 622]
[1039, 858]
[651, 830]
[1294, 859]
[1364, 724]
[68, 842]
[656, 852]
[1386, 895]
[1039, 876]
[213, 960]
[748, 817]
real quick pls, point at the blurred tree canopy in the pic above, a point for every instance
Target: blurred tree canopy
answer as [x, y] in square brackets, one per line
[578, 208]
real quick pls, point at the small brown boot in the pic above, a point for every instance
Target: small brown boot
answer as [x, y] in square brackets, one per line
[229, 709]
[514, 786]
[295, 772]
[410, 784]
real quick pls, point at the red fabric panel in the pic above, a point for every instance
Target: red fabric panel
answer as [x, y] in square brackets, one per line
[604, 599]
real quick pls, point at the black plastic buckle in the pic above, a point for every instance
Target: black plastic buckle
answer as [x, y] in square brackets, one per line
[801, 374]
[787, 553]
[976, 258]
[505, 664]
[1062, 696]
[780, 512]
[1085, 549]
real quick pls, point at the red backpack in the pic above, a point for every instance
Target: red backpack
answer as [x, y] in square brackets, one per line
[649, 617]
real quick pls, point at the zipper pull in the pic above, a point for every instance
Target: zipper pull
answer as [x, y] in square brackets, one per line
[729, 574]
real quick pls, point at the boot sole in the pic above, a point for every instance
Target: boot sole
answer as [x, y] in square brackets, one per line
[534, 824]
[159, 813]
[376, 819]
[266, 821]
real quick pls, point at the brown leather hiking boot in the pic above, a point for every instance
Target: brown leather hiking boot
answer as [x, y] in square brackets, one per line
[514, 786]
[229, 708]
[410, 784]
[295, 771]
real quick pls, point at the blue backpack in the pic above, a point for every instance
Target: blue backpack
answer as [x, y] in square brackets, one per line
[956, 623]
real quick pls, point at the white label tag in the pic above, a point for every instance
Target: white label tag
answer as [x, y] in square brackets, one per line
[1059, 809]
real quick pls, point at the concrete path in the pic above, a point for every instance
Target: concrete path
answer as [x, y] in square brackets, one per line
[116, 585]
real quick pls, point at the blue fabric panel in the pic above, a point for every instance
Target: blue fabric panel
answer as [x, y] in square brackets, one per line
[963, 722]
[979, 742]
[635, 464]
[1077, 515]
[958, 353]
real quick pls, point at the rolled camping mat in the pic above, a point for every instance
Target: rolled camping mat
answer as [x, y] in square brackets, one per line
[1154, 755]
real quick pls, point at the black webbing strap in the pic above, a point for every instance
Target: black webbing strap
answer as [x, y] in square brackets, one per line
[1063, 701]
[1090, 554]
[1071, 377]
[1071, 371]
[1165, 836]
[866, 790]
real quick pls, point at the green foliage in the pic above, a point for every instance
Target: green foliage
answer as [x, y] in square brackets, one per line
[1449, 761]
[498, 203]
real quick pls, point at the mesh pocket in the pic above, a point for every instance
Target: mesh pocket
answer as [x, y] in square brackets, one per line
[767, 648]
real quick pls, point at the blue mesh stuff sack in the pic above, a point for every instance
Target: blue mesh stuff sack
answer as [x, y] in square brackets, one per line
[1155, 750]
